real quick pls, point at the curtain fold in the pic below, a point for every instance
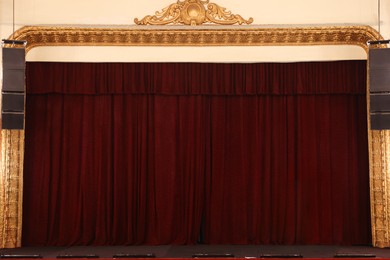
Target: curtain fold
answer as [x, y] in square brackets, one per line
[153, 153]
[343, 77]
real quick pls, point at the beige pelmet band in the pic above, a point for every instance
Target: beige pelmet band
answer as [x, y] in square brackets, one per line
[12, 142]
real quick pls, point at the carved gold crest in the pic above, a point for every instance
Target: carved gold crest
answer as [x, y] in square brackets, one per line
[193, 12]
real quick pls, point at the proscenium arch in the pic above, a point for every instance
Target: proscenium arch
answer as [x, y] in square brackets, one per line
[196, 36]
[12, 141]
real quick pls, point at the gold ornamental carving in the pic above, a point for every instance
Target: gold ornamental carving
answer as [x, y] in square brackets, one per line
[11, 187]
[379, 163]
[201, 36]
[193, 12]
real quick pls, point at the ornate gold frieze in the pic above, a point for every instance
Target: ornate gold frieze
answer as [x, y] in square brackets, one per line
[204, 36]
[193, 12]
[379, 141]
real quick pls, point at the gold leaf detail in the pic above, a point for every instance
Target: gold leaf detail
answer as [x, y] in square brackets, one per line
[224, 17]
[193, 12]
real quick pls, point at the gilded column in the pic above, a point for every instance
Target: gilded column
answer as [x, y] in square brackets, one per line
[11, 188]
[379, 144]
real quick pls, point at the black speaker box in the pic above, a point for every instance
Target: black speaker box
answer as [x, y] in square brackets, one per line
[134, 256]
[20, 256]
[380, 121]
[14, 66]
[379, 70]
[281, 256]
[14, 58]
[379, 102]
[78, 256]
[12, 120]
[354, 256]
[13, 102]
[223, 255]
[13, 80]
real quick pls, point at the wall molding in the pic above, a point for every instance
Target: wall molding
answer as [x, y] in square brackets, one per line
[196, 36]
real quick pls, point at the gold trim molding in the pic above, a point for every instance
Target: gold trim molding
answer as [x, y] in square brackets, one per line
[193, 12]
[379, 141]
[201, 36]
[11, 187]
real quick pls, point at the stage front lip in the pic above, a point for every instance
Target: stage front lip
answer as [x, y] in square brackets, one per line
[205, 258]
[197, 252]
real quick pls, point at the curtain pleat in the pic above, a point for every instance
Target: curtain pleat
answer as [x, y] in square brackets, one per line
[181, 153]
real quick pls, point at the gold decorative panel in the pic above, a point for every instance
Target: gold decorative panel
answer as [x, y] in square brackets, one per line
[11, 187]
[193, 12]
[201, 36]
[379, 142]
[12, 142]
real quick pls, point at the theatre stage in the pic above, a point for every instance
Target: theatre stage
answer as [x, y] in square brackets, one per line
[205, 251]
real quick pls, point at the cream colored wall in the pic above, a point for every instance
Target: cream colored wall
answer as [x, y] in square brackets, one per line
[123, 12]
[385, 18]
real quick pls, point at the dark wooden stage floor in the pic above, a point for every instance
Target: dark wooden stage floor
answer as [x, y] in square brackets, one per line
[209, 251]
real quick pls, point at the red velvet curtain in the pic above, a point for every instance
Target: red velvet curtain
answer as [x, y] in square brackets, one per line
[174, 153]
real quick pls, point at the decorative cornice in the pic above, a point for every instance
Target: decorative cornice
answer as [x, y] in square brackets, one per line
[188, 36]
[193, 12]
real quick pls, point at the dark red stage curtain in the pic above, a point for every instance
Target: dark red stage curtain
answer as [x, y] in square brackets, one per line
[174, 153]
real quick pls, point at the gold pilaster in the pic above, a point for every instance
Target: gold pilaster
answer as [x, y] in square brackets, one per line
[11, 187]
[379, 142]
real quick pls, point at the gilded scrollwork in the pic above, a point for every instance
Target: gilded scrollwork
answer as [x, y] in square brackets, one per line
[170, 14]
[196, 36]
[219, 15]
[193, 12]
